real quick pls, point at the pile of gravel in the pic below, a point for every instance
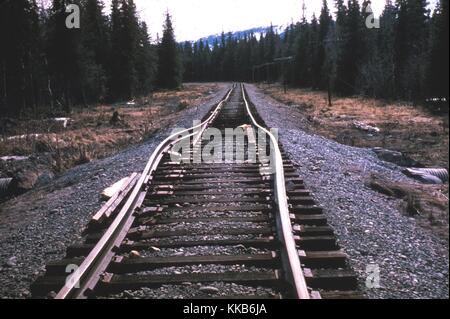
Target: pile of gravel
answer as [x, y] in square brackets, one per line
[37, 227]
[413, 262]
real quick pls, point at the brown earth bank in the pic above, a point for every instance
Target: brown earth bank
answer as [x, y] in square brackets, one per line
[33, 151]
[421, 136]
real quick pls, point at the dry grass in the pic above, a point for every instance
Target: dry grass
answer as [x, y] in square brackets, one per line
[404, 127]
[428, 203]
[91, 136]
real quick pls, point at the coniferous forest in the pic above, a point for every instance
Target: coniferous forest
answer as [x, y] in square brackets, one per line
[44, 64]
[109, 58]
[406, 58]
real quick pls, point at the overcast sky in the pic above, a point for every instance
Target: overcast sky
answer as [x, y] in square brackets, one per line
[194, 19]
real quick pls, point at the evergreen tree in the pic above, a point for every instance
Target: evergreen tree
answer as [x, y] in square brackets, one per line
[438, 67]
[146, 62]
[129, 44]
[188, 61]
[95, 49]
[377, 75]
[115, 58]
[349, 53]
[302, 57]
[169, 69]
[410, 48]
[20, 56]
[319, 73]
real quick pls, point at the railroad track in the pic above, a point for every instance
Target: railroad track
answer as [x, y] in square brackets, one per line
[231, 227]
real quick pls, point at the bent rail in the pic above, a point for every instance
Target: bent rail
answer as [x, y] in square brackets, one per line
[88, 273]
[293, 268]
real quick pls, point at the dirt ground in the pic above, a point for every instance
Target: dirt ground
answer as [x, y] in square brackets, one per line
[412, 130]
[89, 133]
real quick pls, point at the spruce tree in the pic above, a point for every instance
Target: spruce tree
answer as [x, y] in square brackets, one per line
[169, 69]
[188, 62]
[129, 44]
[438, 67]
[145, 63]
[115, 58]
[302, 58]
[319, 73]
[63, 45]
[382, 71]
[95, 49]
[410, 48]
[349, 52]
[20, 59]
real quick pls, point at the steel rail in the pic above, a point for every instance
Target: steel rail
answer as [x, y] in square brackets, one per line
[88, 273]
[291, 262]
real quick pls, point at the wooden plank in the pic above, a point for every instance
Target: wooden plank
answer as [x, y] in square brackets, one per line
[349, 294]
[306, 209]
[316, 243]
[331, 279]
[59, 267]
[318, 220]
[126, 265]
[305, 230]
[115, 188]
[323, 259]
[115, 201]
[301, 200]
[42, 286]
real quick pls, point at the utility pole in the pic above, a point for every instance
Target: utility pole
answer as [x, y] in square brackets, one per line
[329, 91]
[267, 69]
[283, 69]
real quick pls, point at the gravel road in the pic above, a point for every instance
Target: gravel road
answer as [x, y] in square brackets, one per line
[37, 227]
[412, 261]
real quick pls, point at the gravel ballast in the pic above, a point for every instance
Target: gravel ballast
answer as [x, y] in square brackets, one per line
[191, 290]
[37, 227]
[413, 262]
[203, 251]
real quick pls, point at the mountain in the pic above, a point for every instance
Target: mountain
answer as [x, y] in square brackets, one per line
[257, 31]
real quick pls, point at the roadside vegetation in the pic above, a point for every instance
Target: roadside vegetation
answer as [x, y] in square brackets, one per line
[42, 148]
[417, 133]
